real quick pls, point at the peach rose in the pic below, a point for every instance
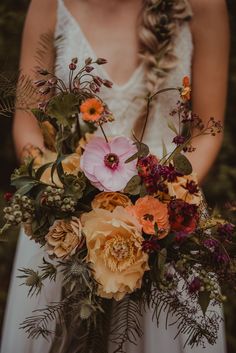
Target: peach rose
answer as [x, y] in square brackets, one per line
[114, 242]
[178, 189]
[150, 211]
[110, 200]
[64, 237]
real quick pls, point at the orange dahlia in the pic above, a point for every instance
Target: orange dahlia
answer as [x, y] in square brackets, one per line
[91, 109]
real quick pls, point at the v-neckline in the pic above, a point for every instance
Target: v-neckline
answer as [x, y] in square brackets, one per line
[133, 76]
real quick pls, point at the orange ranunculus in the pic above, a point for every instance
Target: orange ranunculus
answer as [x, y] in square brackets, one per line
[92, 109]
[150, 211]
[186, 90]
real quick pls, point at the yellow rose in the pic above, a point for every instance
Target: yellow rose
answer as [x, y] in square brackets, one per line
[64, 237]
[110, 200]
[178, 189]
[114, 242]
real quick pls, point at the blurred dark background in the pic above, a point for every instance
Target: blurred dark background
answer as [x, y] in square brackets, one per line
[219, 187]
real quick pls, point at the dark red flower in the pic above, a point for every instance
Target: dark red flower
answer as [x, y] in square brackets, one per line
[169, 173]
[8, 196]
[183, 216]
[72, 66]
[146, 165]
[195, 285]
[192, 187]
[150, 245]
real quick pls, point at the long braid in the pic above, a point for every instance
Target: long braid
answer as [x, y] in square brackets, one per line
[159, 23]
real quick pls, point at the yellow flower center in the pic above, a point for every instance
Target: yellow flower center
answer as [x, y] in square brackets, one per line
[118, 252]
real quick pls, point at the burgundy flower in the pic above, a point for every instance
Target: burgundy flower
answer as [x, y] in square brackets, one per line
[169, 173]
[192, 187]
[179, 140]
[8, 196]
[194, 286]
[211, 244]
[183, 216]
[72, 66]
[146, 166]
[180, 237]
[150, 245]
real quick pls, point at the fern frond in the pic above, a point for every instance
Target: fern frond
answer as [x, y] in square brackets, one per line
[186, 314]
[125, 324]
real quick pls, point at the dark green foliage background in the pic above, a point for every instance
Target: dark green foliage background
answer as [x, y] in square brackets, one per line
[219, 187]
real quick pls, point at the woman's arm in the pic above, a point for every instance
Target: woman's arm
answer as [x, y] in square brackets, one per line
[41, 18]
[210, 69]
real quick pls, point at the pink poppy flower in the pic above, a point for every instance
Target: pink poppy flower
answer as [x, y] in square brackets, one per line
[104, 165]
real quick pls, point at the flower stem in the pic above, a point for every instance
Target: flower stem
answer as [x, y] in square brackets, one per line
[149, 100]
[103, 132]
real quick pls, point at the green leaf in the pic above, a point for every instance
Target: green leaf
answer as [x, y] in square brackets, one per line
[164, 149]
[42, 169]
[63, 107]
[143, 151]
[27, 188]
[162, 256]
[134, 185]
[182, 164]
[22, 181]
[204, 300]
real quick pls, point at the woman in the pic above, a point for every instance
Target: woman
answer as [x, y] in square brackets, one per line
[120, 31]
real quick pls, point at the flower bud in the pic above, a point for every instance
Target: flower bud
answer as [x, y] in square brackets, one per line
[107, 83]
[52, 81]
[40, 83]
[88, 61]
[8, 196]
[74, 60]
[101, 61]
[72, 66]
[44, 90]
[89, 68]
[43, 72]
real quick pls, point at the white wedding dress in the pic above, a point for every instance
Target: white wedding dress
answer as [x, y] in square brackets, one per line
[125, 102]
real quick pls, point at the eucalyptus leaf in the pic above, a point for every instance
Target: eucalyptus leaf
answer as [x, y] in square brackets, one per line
[182, 164]
[134, 185]
[27, 188]
[204, 300]
[21, 181]
[143, 151]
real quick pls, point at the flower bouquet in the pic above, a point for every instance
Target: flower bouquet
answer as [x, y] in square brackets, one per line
[125, 230]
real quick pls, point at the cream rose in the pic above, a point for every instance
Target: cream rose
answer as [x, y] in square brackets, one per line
[114, 242]
[64, 237]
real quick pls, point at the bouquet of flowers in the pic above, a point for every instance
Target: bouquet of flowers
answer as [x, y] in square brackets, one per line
[126, 230]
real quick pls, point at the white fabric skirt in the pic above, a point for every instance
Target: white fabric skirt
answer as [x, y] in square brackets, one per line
[19, 306]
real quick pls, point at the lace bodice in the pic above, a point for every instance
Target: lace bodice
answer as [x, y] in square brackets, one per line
[126, 101]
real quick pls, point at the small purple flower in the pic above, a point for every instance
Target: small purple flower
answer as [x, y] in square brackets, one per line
[192, 187]
[179, 140]
[226, 230]
[210, 244]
